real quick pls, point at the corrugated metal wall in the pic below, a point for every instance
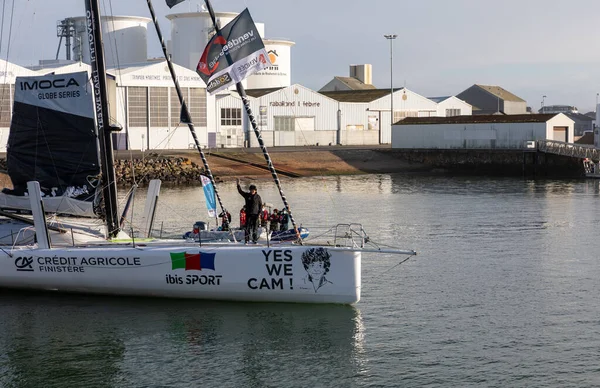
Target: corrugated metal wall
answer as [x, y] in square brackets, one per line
[467, 136]
[298, 101]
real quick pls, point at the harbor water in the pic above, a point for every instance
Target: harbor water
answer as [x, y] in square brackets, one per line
[504, 292]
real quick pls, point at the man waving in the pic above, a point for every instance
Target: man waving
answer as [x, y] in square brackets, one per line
[254, 206]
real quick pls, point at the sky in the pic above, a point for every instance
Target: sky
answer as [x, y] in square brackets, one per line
[533, 48]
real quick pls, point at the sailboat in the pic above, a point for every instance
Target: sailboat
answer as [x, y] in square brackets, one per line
[118, 264]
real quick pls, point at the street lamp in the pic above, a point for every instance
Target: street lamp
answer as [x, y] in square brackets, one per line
[391, 38]
[543, 98]
[596, 108]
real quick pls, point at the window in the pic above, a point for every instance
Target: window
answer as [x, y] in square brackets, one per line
[452, 112]
[5, 105]
[197, 106]
[401, 115]
[137, 100]
[176, 106]
[284, 123]
[231, 116]
[159, 113]
[373, 123]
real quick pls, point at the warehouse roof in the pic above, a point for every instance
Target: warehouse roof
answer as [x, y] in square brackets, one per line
[439, 99]
[478, 119]
[355, 83]
[500, 92]
[261, 92]
[358, 95]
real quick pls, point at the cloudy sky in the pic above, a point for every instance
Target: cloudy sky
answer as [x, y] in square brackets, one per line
[530, 47]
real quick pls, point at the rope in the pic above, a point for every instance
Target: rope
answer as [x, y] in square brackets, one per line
[389, 269]
[12, 11]
[246, 101]
[184, 107]
[2, 24]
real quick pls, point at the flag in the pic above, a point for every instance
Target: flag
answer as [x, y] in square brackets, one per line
[233, 54]
[172, 3]
[209, 195]
[191, 261]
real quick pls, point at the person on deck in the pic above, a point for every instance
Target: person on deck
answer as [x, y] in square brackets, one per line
[254, 206]
[284, 220]
[225, 220]
[264, 216]
[274, 221]
[243, 217]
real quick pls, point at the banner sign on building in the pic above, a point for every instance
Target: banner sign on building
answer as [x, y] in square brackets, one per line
[209, 194]
[233, 54]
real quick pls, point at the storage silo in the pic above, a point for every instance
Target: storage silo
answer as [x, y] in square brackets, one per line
[191, 31]
[279, 74]
[124, 37]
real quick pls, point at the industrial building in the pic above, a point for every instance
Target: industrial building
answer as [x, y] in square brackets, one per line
[377, 103]
[143, 100]
[492, 99]
[558, 109]
[481, 132]
[583, 123]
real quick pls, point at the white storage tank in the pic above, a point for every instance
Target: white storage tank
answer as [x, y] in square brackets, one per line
[124, 37]
[190, 33]
[279, 74]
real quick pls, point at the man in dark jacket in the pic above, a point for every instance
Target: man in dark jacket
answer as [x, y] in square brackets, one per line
[253, 208]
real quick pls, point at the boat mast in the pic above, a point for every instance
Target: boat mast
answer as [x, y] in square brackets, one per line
[109, 183]
[242, 92]
[187, 118]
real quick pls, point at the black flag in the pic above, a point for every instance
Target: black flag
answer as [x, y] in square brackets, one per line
[172, 3]
[233, 54]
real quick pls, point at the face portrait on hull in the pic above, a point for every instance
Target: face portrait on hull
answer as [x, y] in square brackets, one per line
[316, 262]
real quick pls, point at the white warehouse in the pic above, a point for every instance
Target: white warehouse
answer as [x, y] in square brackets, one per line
[377, 103]
[296, 116]
[481, 132]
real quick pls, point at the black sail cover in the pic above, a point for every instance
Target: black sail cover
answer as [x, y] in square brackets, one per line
[53, 140]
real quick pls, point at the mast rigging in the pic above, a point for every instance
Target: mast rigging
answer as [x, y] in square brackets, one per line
[109, 183]
[185, 113]
[242, 93]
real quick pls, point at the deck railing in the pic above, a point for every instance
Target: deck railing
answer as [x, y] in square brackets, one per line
[569, 149]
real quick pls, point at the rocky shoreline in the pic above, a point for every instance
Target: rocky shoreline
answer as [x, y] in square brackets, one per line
[173, 170]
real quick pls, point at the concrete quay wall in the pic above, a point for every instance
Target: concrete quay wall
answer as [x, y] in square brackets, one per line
[185, 167]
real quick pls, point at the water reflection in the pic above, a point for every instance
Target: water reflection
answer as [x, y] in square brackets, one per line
[104, 341]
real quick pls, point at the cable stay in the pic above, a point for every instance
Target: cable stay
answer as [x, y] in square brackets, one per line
[185, 116]
[242, 93]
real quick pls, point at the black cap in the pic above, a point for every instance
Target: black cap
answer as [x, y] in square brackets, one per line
[252, 187]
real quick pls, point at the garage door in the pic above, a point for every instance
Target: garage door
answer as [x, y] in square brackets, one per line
[560, 134]
[304, 124]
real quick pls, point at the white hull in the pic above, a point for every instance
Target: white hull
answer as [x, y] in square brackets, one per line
[231, 272]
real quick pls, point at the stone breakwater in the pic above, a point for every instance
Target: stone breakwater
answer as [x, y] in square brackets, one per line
[171, 170]
[176, 171]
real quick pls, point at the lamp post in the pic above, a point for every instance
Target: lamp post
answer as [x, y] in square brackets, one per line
[596, 107]
[543, 98]
[391, 38]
